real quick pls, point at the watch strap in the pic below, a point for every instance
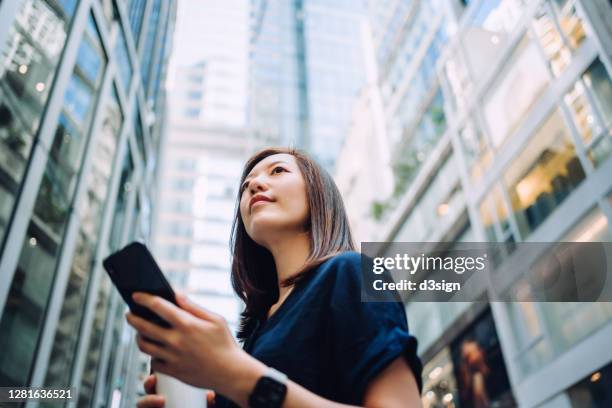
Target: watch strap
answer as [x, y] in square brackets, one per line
[270, 390]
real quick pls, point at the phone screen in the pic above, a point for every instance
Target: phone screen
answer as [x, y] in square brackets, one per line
[133, 269]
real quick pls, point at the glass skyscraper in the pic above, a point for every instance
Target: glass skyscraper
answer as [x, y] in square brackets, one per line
[81, 111]
[497, 125]
[306, 69]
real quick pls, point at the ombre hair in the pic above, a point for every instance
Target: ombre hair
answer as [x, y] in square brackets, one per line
[253, 274]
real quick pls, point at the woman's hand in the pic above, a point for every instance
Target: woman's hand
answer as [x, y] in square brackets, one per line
[151, 400]
[197, 349]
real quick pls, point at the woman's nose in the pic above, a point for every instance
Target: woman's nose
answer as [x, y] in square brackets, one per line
[256, 185]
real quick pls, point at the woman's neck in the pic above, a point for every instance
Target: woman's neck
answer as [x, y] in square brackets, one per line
[290, 255]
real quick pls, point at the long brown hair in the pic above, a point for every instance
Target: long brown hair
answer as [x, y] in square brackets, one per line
[253, 270]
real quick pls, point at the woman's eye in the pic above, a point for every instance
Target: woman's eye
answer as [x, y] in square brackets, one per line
[275, 170]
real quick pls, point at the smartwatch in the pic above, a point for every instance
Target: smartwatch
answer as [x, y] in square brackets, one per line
[270, 390]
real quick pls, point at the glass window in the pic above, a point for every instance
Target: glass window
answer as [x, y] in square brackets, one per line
[456, 75]
[90, 210]
[543, 174]
[439, 384]
[551, 40]
[125, 187]
[596, 80]
[442, 200]
[547, 329]
[24, 311]
[123, 60]
[593, 391]
[216, 256]
[583, 113]
[570, 21]
[218, 282]
[475, 148]
[138, 134]
[29, 60]
[518, 85]
[136, 9]
[494, 217]
[92, 355]
[149, 43]
[488, 28]
[32, 283]
[560, 30]
[416, 146]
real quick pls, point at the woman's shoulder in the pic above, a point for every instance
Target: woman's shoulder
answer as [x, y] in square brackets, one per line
[342, 266]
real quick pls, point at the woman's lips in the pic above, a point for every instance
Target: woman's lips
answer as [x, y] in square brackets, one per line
[258, 199]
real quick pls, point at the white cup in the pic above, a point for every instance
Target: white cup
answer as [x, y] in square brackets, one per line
[178, 394]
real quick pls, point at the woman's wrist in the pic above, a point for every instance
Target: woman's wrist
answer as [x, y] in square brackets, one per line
[242, 375]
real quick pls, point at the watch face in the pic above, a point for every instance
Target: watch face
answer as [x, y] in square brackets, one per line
[268, 393]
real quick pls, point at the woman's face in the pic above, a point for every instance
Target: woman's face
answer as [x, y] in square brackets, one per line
[273, 200]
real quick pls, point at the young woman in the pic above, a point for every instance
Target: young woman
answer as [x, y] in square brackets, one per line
[309, 340]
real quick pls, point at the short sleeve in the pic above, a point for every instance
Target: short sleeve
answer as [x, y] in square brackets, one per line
[365, 336]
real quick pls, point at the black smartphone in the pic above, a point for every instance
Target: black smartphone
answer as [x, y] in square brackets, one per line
[133, 269]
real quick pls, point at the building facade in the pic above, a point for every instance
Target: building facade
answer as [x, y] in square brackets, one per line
[306, 71]
[498, 117]
[205, 147]
[81, 114]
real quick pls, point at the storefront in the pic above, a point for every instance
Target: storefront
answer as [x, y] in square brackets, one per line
[467, 368]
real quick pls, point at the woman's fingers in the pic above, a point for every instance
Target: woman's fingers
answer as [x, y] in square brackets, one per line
[152, 349]
[148, 329]
[151, 401]
[210, 398]
[150, 384]
[184, 302]
[164, 309]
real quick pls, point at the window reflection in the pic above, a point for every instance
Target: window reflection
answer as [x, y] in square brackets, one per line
[419, 144]
[136, 10]
[570, 21]
[31, 286]
[598, 89]
[27, 68]
[123, 60]
[475, 148]
[24, 311]
[92, 361]
[125, 186]
[543, 174]
[584, 116]
[547, 329]
[560, 30]
[456, 74]
[494, 217]
[518, 85]
[97, 182]
[551, 40]
[487, 30]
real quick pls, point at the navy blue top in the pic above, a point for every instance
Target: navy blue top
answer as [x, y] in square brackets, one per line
[329, 341]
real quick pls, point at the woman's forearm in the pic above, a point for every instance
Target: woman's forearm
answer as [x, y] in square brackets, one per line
[250, 370]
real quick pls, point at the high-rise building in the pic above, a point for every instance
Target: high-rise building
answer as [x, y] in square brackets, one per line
[498, 118]
[81, 111]
[205, 147]
[306, 71]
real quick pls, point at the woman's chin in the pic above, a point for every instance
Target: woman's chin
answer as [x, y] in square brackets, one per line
[264, 226]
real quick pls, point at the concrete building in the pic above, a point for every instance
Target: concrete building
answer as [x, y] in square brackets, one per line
[498, 117]
[81, 111]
